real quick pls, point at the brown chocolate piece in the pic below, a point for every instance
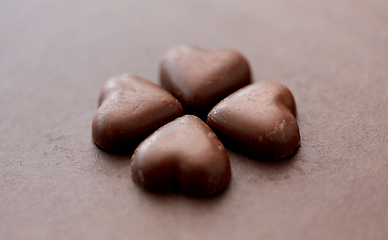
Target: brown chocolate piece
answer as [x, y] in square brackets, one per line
[201, 78]
[258, 120]
[184, 155]
[131, 108]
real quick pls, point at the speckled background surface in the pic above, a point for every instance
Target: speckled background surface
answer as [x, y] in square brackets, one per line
[56, 55]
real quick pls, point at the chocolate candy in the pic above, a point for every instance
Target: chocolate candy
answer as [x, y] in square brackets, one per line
[184, 155]
[201, 78]
[258, 120]
[131, 108]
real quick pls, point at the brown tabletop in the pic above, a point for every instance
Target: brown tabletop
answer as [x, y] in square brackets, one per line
[56, 55]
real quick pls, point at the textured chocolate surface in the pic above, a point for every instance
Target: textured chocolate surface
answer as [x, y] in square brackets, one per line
[258, 121]
[130, 109]
[55, 56]
[199, 78]
[182, 156]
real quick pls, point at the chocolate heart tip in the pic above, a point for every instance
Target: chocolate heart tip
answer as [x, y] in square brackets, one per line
[258, 121]
[182, 156]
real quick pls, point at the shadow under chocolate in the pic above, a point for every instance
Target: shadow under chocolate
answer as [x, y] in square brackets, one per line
[167, 199]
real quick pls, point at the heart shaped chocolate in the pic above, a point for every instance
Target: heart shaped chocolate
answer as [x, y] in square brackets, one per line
[130, 109]
[258, 120]
[184, 155]
[201, 78]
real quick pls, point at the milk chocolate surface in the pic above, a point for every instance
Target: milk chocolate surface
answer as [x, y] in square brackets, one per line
[258, 120]
[182, 156]
[200, 78]
[131, 108]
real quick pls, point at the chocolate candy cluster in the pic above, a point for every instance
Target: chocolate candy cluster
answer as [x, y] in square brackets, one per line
[176, 152]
